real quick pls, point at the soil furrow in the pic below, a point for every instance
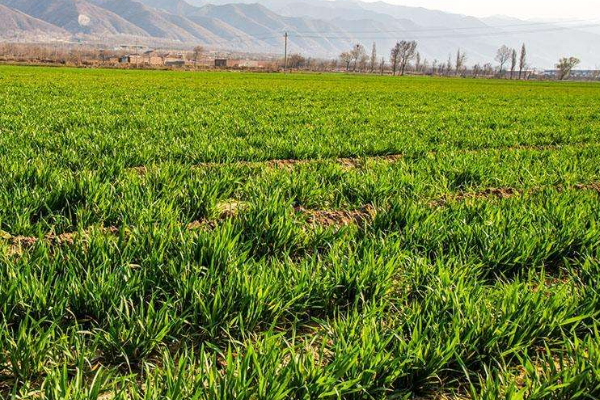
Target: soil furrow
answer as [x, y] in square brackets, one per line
[356, 162]
[323, 218]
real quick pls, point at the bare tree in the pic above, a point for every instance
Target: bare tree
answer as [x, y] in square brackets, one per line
[461, 59]
[357, 53]
[394, 55]
[425, 65]
[198, 51]
[434, 66]
[322, 65]
[488, 69]
[522, 60]
[476, 70]
[407, 53]
[373, 57]
[381, 65]
[333, 64]
[513, 63]
[346, 59]
[442, 69]
[502, 56]
[296, 61]
[363, 63]
[449, 65]
[418, 62]
[565, 66]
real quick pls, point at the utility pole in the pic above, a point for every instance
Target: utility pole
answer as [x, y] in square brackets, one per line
[285, 57]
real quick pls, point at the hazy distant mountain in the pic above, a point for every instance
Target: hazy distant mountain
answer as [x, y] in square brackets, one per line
[422, 16]
[201, 3]
[267, 26]
[440, 33]
[229, 36]
[76, 16]
[547, 41]
[18, 25]
[318, 28]
[156, 23]
[178, 7]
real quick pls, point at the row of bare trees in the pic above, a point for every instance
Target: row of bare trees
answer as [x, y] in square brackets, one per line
[404, 57]
[512, 63]
[54, 54]
[506, 55]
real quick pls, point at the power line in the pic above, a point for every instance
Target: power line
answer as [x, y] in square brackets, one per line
[415, 33]
[239, 38]
[349, 35]
[484, 27]
[459, 35]
[426, 30]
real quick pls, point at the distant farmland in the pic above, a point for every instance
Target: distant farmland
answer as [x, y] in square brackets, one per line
[172, 235]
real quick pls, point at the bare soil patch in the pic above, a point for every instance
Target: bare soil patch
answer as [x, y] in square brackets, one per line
[499, 193]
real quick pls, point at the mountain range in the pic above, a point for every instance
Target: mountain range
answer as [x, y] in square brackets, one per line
[317, 28]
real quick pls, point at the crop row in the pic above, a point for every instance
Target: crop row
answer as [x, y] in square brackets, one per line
[237, 236]
[40, 200]
[98, 119]
[457, 291]
[315, 218]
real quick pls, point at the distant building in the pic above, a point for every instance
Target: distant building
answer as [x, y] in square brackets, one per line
[155, 61]
[575, 74]
[245, 64]
[174, 62]
[133, 59]
[152, 58]
[254, 64]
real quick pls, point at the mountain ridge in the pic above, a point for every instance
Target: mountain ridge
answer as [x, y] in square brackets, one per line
[21, 25]
[317, 28]
[76, 16]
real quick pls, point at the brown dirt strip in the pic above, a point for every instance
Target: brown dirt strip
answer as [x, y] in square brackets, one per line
[226, 210]
[323, 218]
[347, 162]
[594, 186]
[19, 243]
[508, 192]
[356, 162]
[498, 193]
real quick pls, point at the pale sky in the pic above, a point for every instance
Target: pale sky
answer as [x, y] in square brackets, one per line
[528, 9]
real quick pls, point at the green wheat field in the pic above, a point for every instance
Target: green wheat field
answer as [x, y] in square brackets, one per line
[175, 235]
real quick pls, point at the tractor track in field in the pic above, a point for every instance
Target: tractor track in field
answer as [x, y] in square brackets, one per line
[358, 161]
[316, 218]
